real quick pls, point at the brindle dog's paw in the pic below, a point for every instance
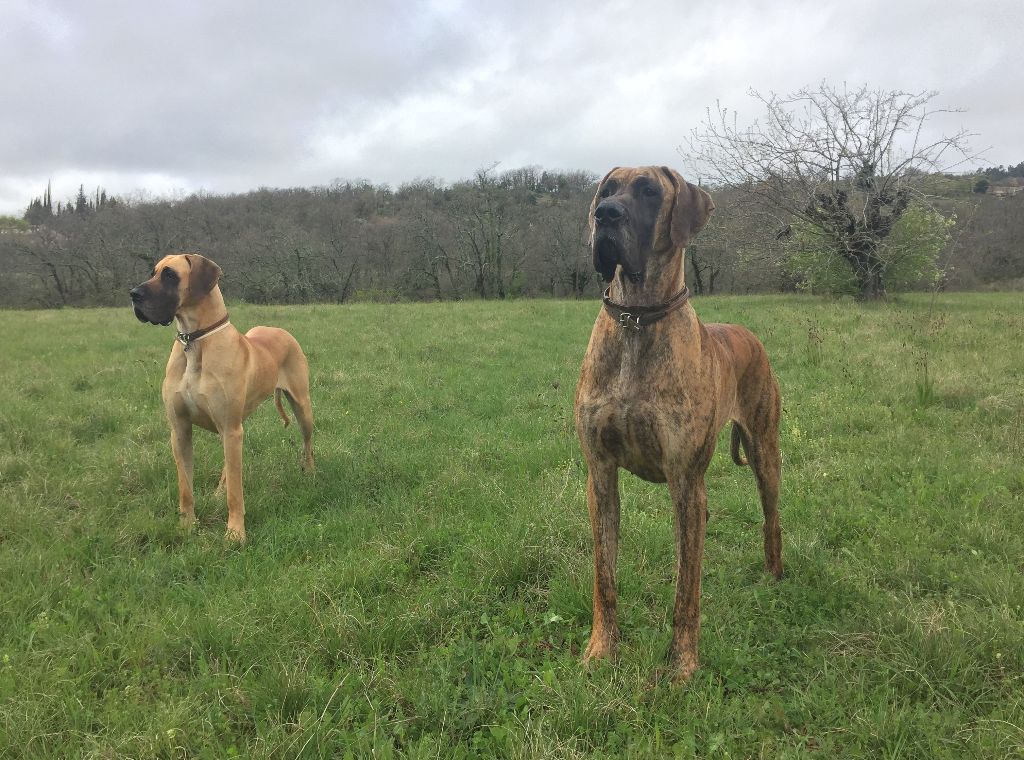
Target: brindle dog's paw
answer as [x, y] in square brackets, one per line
[682, 673]
[682, 664]
[599, 649]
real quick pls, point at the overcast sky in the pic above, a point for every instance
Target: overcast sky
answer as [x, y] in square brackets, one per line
[172, 97]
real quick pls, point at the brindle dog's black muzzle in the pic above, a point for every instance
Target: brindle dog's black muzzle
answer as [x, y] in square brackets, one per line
[613, 241]
[609, 213]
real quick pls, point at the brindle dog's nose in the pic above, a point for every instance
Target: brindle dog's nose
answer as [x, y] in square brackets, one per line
[137, 294]
[609, 211]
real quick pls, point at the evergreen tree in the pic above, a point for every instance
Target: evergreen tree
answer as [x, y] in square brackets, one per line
[81, 202]
[40, 210]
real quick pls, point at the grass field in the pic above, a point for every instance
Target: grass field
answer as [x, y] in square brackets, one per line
[427, 592]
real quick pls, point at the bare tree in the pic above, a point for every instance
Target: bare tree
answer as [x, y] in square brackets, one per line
[432, 261]
[566, 254]
[51, 261]
[487, 233]
[843, 163]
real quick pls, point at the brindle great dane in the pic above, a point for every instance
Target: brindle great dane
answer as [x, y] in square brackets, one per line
[657, 386]
[216, 376]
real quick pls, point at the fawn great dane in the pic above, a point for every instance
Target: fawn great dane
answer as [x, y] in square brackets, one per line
[216, 376]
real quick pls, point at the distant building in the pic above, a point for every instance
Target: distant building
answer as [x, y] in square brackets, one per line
[1005, 190]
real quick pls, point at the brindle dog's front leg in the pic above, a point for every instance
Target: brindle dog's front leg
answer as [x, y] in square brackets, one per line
[603, 500]
[690, 500]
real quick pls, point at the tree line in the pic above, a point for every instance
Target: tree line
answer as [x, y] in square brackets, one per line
[500, 234]
[996, 173]
[41, 210]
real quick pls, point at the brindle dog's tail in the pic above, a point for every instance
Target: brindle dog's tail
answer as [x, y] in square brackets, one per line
[737, 438]
[280, 408]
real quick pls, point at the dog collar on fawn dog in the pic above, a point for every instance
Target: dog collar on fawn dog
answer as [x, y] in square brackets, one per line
[641, 316]
[187, 339]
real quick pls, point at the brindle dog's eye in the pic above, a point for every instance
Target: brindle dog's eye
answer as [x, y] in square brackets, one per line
[169, 276]
[644, 188]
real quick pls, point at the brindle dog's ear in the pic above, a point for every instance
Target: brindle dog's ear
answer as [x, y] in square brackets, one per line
[691, 209]
[205, 274]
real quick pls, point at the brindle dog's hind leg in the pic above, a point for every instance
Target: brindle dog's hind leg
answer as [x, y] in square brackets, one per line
[767, 465]
[766, 461]
[761, 442]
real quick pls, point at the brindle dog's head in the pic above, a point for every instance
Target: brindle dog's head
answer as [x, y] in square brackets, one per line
[642, 212]
[178, 280]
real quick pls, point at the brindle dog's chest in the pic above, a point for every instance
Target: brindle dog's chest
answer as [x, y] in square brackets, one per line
[638, 411]
[630, 432]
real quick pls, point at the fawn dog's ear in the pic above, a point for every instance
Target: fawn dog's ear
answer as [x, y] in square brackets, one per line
[691, 209]
[204, 276]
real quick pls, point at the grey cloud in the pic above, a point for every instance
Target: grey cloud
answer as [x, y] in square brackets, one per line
[229, 96]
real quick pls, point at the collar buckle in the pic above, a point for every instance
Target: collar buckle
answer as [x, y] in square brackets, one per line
[187, 339]
[631, 316]
[627, 320]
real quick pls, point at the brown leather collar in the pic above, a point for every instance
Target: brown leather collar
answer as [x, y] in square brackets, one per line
[642, 316]
[187, 339]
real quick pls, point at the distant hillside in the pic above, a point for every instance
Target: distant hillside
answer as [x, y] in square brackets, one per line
[498, 235]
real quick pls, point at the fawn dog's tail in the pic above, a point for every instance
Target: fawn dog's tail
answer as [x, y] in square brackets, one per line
[280, 408]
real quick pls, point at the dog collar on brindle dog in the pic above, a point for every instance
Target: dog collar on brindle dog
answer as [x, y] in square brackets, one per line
[187, 339]
[642, 316]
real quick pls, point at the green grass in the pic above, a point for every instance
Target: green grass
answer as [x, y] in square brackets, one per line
[427, 592]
